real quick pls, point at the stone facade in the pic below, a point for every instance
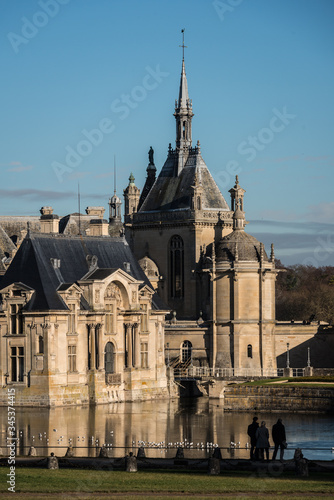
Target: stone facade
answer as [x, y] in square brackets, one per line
[96, 339]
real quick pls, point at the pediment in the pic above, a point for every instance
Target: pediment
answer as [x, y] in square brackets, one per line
[16, 287]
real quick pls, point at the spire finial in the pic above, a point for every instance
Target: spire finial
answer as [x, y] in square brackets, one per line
[114, 174]
[183, 46]
[272, 253]
[131, 179]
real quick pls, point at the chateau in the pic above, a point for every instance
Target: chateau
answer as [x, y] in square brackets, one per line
[95, 311]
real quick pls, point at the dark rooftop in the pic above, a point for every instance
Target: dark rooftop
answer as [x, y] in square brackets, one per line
[34, 266]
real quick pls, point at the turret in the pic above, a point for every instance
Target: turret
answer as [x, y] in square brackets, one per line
[131, 197]
[115, 216]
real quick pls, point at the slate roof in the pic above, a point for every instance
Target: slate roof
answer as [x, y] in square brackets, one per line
[171, 192]
[249, 248]
[6, 249]
[6, 244]
[32, 265]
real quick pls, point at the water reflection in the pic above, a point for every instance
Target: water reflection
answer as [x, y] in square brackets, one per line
[198, 424]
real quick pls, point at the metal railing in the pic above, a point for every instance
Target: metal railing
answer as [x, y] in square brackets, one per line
[192, 372]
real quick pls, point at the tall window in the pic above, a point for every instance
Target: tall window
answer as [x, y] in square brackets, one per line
[249, 351]
[17, 363]
[186, 351]
[71, 318]
[109, 323]
[143, 318]
[176, 259]
[109, 358]
[72, 358]
[144, 354]
[41, 344]
[16, 324]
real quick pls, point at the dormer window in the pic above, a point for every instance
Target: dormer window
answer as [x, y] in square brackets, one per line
[71, 318]
[16, 323]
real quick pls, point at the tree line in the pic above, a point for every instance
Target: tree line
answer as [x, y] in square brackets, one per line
[304, 293]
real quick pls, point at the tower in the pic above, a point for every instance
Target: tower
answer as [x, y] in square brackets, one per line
[131, 197]
[180, 212]
[244, 293]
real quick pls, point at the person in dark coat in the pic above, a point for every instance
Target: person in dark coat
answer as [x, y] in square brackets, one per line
[262, 441]
[251, 431]
[279, 438]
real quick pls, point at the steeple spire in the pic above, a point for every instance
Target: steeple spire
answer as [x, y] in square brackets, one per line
[183, 115]
[183, 101]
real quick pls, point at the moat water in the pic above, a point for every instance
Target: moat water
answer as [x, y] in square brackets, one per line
[198, 424]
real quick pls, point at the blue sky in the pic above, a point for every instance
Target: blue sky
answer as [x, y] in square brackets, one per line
[261, 77]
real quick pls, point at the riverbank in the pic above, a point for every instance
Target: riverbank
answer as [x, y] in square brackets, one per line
[278, 398]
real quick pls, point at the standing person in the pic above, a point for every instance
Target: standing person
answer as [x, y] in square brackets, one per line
[262, 441]
[251, 431]
[278, 433]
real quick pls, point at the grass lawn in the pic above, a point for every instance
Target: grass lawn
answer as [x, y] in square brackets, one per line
[326, 382]
[34, 483]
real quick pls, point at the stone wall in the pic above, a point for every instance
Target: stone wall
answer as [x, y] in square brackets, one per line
[319, 339]
[283, 399]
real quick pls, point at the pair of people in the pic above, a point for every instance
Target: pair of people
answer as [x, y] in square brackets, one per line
[260, 439]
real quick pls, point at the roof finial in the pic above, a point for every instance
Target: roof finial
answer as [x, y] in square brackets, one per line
[114, 174]
[183, 46]
[272, 253]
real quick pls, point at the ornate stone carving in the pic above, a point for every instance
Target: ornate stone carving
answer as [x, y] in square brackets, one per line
[113, 292]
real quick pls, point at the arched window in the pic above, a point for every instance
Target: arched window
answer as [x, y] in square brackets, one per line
[176, 259]
[186, 351]
[109, 358]
[249, 351]
[199, 204]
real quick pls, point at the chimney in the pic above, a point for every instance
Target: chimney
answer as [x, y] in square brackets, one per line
[49, 221]
[95, 212]
[98, 227]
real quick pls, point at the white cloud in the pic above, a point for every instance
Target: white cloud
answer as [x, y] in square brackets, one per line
[20, 168]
